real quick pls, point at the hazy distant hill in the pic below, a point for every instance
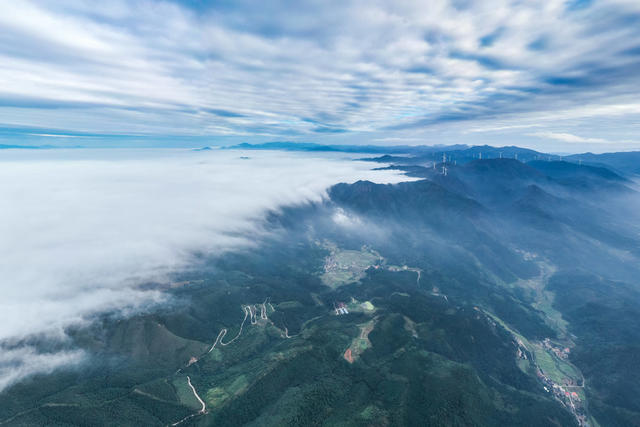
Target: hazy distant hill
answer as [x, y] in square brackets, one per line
[303, 146]
[26, 147]
[625, 162]
[562, 169]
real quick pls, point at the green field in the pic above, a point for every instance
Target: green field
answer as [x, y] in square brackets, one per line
[289, 304]
[347, 266]
[558, 370]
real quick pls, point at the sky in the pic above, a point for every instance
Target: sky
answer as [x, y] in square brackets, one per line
[554, 75]
[84, 228]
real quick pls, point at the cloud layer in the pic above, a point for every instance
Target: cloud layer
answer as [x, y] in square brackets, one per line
[82, 228]
[330, 70]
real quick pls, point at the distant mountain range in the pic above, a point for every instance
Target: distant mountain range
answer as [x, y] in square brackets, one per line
[628, 162]
[621, 162]
[373, 149]
[27, 147]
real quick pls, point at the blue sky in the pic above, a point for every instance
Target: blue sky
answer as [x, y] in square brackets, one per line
[560, 76]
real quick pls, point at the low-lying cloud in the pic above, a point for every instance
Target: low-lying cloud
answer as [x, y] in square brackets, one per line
[82, 228]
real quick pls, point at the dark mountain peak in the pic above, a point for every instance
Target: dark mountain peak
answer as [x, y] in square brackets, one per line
[361, 186]
[387, 158]
[403, 199]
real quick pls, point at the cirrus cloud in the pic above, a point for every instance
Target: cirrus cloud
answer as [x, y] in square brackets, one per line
[329, 70]
[568, 137]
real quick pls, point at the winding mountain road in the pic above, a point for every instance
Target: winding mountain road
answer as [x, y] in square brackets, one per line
[195, 393]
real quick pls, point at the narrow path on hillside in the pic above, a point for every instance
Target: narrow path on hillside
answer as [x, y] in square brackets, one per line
[195, 393]
[250, 311]
[202, 410]
[221, 335]
[247, 311]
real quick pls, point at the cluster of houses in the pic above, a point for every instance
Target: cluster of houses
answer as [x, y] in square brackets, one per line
[569, 398]
[341, 308]
[562, 353]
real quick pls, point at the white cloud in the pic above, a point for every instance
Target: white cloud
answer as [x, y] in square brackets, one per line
[345, 219]
[568, 137]
[498, 128]
[82, 228]
[24, 361]
[160, 68]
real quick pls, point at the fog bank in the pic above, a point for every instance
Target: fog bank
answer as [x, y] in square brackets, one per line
[82, 228]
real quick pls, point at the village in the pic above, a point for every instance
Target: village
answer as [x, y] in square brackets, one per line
[567, 395]
[550, 362]
[561, 352]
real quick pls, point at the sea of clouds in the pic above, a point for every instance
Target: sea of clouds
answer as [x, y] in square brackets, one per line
[81, 229]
